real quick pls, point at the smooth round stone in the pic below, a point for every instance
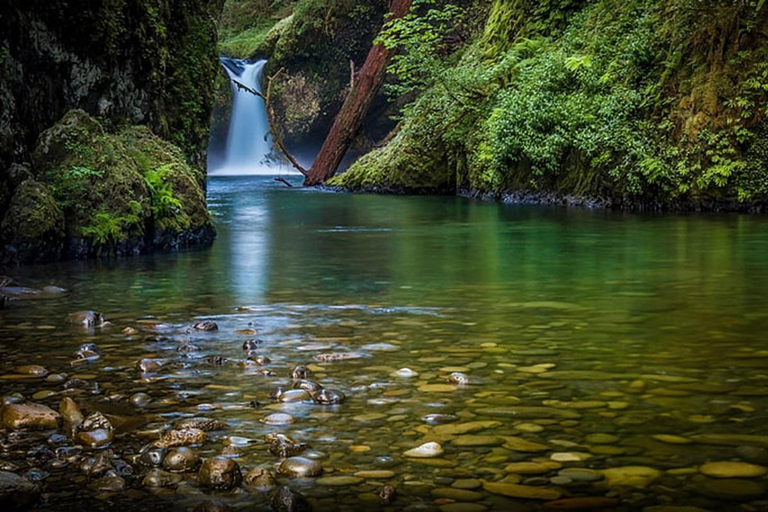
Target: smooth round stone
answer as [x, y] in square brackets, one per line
[439, 418]
[42, 395]
[580, 474]
[108, 484]
[522, 491]
[732, 489]
[462, 507]
[437, 388]
[339, 481]
[237, 441]
[560, 480]
[604, 449]
[469, 440]
[467, 483]
[405, 373]
[456, 494]
[672, 439]
[375, 474]
[371, 416]
[29, 416]
[295, 395]
[464, 428]
[531, 468]
[425, 450]
[278, 418]
[31, 369]
[140, 399]
[728, 469]
[601, 439]
[638, 477]
[567, 457]
[181, 460]
[301, 467]
[159, 478]
[531, 428]
[261, 479]
[219, 473]
[96, 438]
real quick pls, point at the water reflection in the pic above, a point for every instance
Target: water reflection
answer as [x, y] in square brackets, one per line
[574, 325]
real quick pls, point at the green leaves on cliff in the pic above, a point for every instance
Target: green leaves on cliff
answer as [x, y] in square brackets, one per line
[644, 100]
[167, 210]
[419, 39]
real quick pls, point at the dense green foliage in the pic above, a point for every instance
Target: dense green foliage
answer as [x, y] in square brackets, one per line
[640, 101]
[112, 190]
[245, 24]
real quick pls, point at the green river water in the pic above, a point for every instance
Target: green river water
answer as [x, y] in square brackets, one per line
[620, 354]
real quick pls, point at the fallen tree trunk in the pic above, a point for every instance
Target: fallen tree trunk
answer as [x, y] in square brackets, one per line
[355, 108]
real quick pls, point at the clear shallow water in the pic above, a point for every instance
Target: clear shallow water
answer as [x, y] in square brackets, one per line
[607, 323]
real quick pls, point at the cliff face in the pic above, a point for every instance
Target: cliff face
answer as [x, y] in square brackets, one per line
[314, 48]
[642, 103]
[125, 62]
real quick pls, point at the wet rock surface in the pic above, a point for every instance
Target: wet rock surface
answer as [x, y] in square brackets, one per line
[29, 416]
[220, 473]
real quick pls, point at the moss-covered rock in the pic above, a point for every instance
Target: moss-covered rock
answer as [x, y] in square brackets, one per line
[404, 165]
[122, 193]
[33, 227]
[125, 63]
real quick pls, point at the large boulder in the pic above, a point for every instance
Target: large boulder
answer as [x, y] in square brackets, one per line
[95, 192]
[33, 227]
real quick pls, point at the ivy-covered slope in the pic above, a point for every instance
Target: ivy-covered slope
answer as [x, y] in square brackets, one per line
[652, 103]
[144, 63]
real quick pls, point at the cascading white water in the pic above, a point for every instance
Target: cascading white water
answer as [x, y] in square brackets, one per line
[248, 142]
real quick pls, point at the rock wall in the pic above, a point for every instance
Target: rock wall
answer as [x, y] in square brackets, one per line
[145, 63]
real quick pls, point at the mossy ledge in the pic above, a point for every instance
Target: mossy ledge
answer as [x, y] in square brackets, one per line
[91, 193]
[138, 68]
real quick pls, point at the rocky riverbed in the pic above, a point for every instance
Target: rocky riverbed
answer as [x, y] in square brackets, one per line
[297, 407]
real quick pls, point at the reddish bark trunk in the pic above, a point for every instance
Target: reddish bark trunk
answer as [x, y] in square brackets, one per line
[355, 108]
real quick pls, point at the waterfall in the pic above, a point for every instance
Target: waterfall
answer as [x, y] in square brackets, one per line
[249, 142]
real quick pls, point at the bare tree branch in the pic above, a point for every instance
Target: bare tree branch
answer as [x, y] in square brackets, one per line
[273, 126]
[283, 180]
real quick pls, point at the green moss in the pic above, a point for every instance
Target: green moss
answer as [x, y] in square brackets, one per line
[245, 26]
[126, 185]
[246, 42]
[33, 215]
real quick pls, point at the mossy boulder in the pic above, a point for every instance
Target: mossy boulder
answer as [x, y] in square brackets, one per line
[109, 193]
[33, 227]
[405, 164]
